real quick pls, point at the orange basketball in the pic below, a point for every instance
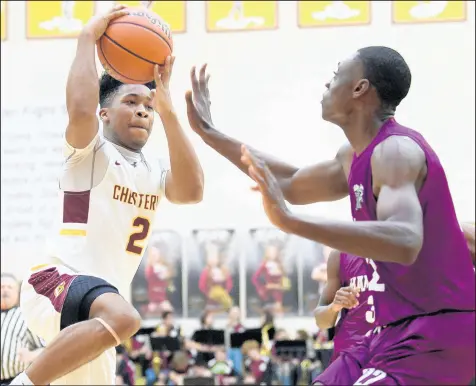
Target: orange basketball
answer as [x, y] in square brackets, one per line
[133, 44]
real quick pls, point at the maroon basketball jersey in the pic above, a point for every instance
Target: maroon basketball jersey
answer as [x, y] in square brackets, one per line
[442, 278]
[355, 323]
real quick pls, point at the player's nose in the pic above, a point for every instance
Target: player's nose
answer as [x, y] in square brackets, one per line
[141, 112]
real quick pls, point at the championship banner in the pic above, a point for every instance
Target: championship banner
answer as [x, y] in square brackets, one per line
[3, 15]
[408, 12]
[241, 15]
[173, 12]
[333, 13]
[57, 19]
[213, 272]
[157, 285]
[271, 273]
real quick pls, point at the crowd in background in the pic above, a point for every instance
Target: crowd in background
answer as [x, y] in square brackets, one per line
[272, 357]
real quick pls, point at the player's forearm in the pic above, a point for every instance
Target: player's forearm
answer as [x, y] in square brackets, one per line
[388, 241]
[35, 353]
[186, 171]
[325, 317]
[230, 148]
[82, 89]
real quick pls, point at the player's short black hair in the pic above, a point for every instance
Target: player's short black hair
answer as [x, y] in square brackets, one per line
[388, 72]
[108, 87]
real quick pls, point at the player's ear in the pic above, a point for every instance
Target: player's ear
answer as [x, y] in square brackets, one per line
[103, 115]
[361, 87]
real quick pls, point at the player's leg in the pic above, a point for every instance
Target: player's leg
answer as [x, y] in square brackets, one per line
[429, 350]
[94, 318]
[347, 367]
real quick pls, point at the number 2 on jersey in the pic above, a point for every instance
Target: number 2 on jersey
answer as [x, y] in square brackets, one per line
[143, 227]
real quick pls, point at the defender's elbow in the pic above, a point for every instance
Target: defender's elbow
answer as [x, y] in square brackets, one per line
[411, 249]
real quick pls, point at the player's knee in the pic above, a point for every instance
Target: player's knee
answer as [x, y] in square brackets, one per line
[126, 324]
[117, 315]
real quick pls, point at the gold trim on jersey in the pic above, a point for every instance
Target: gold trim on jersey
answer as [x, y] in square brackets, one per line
[38, 267]
[73, 232]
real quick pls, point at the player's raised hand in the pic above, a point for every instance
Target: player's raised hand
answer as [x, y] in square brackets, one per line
[266, 183]
[345, 297]
[198, 102]
[97, 25]
[161, 94]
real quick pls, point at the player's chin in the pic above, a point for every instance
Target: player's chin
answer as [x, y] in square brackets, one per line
[138, 138]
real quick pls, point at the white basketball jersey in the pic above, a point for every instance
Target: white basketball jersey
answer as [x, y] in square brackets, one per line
[104, 230]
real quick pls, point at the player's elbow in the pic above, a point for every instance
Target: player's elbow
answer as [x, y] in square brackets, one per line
[321, 321]
[410, 248]
[192, 196]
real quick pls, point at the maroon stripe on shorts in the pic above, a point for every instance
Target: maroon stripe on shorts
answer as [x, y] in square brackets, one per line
[51, 284]
[76, 207]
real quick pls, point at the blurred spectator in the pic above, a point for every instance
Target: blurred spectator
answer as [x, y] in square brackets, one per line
[125, 370]
[180, 367]
[220, 365]
[234, 325]
[234, 320]
[257, 365]
[18, 346]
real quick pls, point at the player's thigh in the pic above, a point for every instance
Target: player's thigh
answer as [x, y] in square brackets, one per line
[100, 371]
[421, 352]
[41, 299]
[347, 367]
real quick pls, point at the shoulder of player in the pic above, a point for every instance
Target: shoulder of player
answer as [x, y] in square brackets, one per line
[345, 154]
[397, 159]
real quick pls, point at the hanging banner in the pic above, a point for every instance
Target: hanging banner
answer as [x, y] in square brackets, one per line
[405, 12]
[57, 19]
[333, 13]
[271, 273]
[157, 285]
[173, 12]
[213, 272]
[241, 15]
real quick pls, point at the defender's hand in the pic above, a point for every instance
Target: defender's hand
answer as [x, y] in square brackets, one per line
[198, 102]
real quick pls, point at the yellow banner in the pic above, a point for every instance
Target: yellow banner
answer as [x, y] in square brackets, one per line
[333, 13]
[53, 19]
[241, 15]
[173, 12]
[405, 12]
[3, 21]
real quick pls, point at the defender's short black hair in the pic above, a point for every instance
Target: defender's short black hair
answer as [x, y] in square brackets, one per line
[388, 72]
[108, 87]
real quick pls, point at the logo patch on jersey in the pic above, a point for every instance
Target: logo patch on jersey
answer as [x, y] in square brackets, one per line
[359, 196]
[59, 289]
[117, 163]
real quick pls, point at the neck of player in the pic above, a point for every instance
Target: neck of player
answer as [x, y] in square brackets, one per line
[363, 126]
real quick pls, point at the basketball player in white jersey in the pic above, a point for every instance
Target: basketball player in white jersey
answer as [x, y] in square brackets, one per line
[109, 194]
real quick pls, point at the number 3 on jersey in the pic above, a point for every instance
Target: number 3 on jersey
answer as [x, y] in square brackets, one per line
[134, 245]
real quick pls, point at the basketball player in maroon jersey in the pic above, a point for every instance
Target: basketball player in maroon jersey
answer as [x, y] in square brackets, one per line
[404, 223]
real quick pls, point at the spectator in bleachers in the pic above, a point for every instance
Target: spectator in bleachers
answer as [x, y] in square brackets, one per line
[256, 364]
[234, 325]
[125, 370]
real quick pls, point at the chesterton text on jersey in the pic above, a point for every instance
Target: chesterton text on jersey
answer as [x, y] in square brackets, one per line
[141, 200]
